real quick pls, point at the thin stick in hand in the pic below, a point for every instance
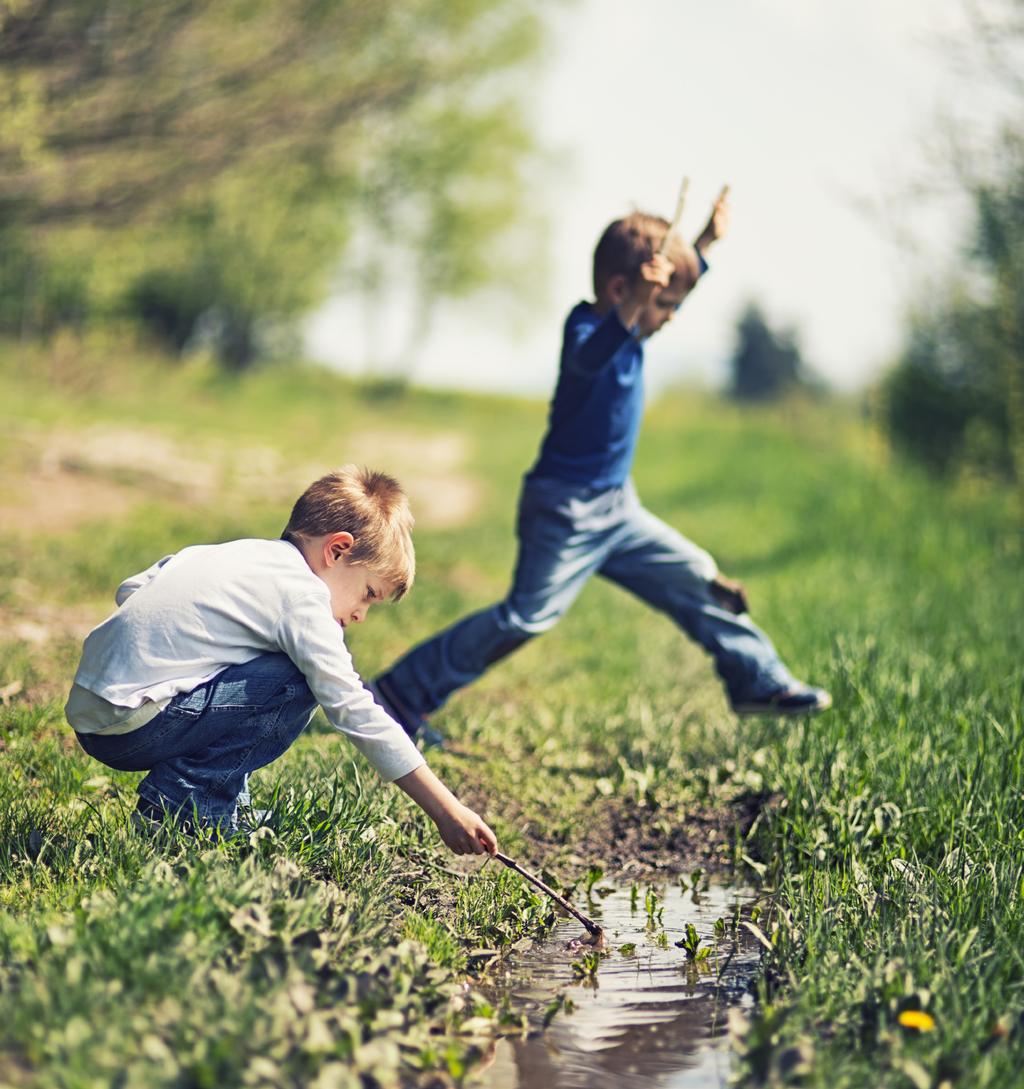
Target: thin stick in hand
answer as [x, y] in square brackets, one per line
[591, 926]
[677, 218]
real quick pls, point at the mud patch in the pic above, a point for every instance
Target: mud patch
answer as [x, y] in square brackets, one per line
[639, 840]
[626, 839]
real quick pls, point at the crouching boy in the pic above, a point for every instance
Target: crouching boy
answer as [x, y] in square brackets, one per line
[218, 655]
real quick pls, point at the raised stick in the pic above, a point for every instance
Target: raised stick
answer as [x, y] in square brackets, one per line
[677, 218]
[591, 926]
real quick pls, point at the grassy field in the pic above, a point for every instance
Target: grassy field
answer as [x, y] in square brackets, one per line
[340, 949]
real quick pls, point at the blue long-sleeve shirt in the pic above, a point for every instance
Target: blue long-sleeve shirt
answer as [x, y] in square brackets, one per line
[595, 414]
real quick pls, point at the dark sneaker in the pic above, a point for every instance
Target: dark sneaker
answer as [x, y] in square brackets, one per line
[147, 818]
[415, 725]
[797, 699]
[429, 738]
[151, 819]
[250, 819]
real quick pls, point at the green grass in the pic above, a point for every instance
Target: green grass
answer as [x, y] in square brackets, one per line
[891, 854]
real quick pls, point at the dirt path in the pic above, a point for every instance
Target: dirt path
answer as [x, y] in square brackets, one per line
[71, 477]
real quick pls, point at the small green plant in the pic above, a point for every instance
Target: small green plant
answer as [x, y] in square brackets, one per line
[555, 1007]
[634, 896]
[628, 949]
[661, 939]
[653, 907]
[593, 875]
[586, 967]
[691, 946]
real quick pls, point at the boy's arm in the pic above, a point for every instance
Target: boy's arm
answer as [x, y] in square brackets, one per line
[652, 277]
[589, 348]
[717, 224]
[593, 346]
[136, 582]
[310, 636]
[461, 829]
[314, 642]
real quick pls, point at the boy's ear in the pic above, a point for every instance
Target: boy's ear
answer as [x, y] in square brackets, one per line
[337, 546]
[617, 286]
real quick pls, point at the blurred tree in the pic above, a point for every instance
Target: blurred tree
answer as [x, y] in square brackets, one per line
[218, 151]
[942, 400]
[766, 363]
[956, 394]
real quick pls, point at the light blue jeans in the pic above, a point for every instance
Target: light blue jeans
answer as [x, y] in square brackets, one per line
[567, 533]
[200, 749]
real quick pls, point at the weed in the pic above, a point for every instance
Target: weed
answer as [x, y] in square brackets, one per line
[654, 908]
[691, 945]
[587, 965]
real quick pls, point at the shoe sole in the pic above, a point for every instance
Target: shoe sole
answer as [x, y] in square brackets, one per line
[748, 710]
[427, 736]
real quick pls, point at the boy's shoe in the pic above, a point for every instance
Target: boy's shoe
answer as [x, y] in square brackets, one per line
[251, 819]
[797, 699]
[414, 725]
[147, 818]
[151, 819]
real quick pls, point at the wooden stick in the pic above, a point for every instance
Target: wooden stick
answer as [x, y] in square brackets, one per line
[677, 218]
[591, 926]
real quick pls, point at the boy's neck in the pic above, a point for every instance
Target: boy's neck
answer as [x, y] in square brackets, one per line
[303, 548]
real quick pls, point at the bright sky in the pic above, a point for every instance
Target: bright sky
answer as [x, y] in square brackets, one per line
[816, 113]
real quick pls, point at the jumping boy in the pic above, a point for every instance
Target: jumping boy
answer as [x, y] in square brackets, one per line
[218, 656]
[579, 514]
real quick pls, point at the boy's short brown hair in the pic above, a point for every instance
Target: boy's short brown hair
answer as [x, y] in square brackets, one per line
[631, 241]
[373, 508]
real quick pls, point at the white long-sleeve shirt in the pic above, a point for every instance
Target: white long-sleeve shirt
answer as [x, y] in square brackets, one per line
[193, 614]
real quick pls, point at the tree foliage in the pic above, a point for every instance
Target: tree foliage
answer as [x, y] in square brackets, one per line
[956, 394]
[213, 155]
[766, 363]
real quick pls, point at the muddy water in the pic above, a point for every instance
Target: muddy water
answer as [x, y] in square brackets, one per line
[648, 1019]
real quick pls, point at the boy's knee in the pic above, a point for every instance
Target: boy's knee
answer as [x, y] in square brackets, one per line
[704, 565]
[528, 622]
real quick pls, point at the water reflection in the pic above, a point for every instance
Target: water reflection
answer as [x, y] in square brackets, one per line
[648, 1019]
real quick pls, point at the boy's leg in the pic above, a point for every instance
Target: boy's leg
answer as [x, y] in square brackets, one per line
[564, 533]
[663, 568]
[200, 750]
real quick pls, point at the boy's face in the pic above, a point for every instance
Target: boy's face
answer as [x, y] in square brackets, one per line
[662, 308]
[354, 588]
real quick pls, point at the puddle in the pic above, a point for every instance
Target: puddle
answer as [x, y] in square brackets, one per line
[650, 1019]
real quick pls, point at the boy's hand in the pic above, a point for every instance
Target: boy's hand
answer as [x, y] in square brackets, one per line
[718, 223]
[466, 833]
[731, 594]
[652, 277]
[461, 829]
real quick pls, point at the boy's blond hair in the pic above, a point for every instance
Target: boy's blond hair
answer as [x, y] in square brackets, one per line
[631, 241]
[373, 508]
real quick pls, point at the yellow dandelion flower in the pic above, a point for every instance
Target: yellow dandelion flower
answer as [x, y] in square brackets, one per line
[917, 1019]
